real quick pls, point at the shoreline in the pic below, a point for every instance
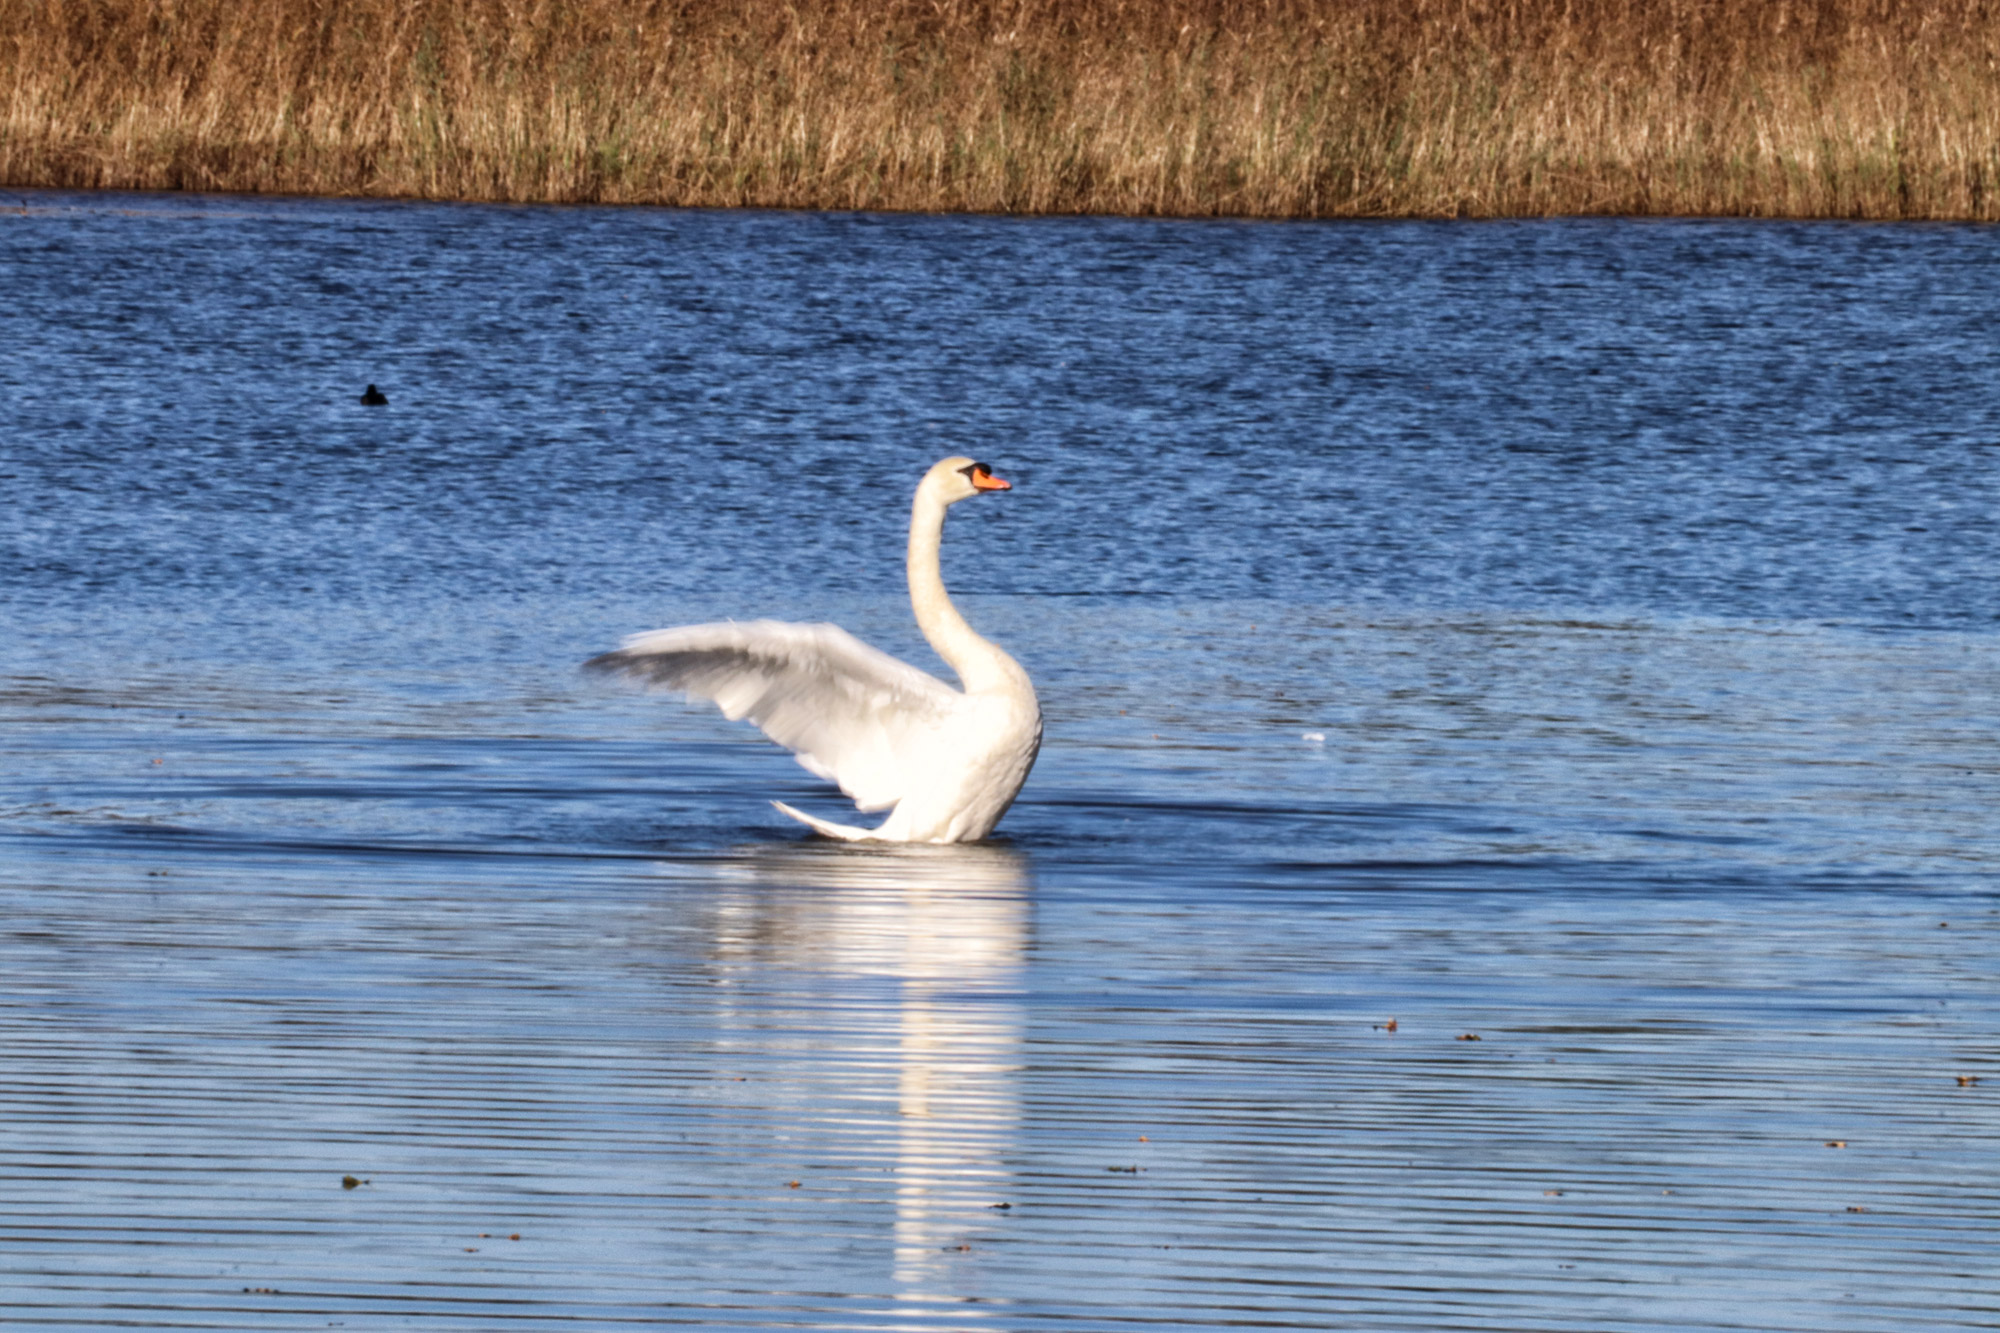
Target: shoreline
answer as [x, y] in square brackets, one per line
[26, 205]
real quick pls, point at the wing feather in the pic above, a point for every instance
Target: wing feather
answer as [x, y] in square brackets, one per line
[850, 713]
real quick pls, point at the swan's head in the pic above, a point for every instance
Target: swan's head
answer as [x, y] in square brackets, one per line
[957, 479]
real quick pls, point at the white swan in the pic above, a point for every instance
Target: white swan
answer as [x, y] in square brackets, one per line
[949, 761]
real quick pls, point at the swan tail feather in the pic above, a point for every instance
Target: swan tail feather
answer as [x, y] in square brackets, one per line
[827, 829]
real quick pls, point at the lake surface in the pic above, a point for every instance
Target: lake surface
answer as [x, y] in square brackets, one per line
[1580, 635]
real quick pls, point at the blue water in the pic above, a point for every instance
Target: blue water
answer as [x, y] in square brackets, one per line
[1581, 634]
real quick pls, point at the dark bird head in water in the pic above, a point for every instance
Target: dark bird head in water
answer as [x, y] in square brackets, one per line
[374, 398]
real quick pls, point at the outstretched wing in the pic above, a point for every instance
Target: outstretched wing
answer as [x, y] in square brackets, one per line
[850, 713]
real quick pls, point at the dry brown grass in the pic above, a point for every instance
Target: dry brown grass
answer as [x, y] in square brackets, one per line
[1844, 108]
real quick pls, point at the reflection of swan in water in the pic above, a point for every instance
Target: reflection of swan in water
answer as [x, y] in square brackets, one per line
[950, 762]
[949, 925]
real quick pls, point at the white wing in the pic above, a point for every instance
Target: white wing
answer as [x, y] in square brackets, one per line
[850, 713]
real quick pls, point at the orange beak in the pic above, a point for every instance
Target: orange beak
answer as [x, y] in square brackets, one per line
[986, 481]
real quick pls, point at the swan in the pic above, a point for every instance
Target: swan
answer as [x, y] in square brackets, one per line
[945, 763]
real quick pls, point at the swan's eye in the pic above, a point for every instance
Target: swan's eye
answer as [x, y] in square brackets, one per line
[976, 470]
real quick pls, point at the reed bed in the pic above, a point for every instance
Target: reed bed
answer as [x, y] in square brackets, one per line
[1379, 108]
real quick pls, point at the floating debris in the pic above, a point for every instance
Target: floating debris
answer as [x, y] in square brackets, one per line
[1466, 1036]
[791, 1184]
[352, 1182]
[1836, 1143]
[1126, 1170]
[1000, 1207]
[1855, 1208]
[1967, 1080]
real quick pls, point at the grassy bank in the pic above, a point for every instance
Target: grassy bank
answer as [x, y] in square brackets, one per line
[1841, 108]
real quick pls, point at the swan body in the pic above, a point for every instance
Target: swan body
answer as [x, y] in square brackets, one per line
[946, 763]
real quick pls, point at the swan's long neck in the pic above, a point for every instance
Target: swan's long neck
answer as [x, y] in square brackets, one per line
[980, 665]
